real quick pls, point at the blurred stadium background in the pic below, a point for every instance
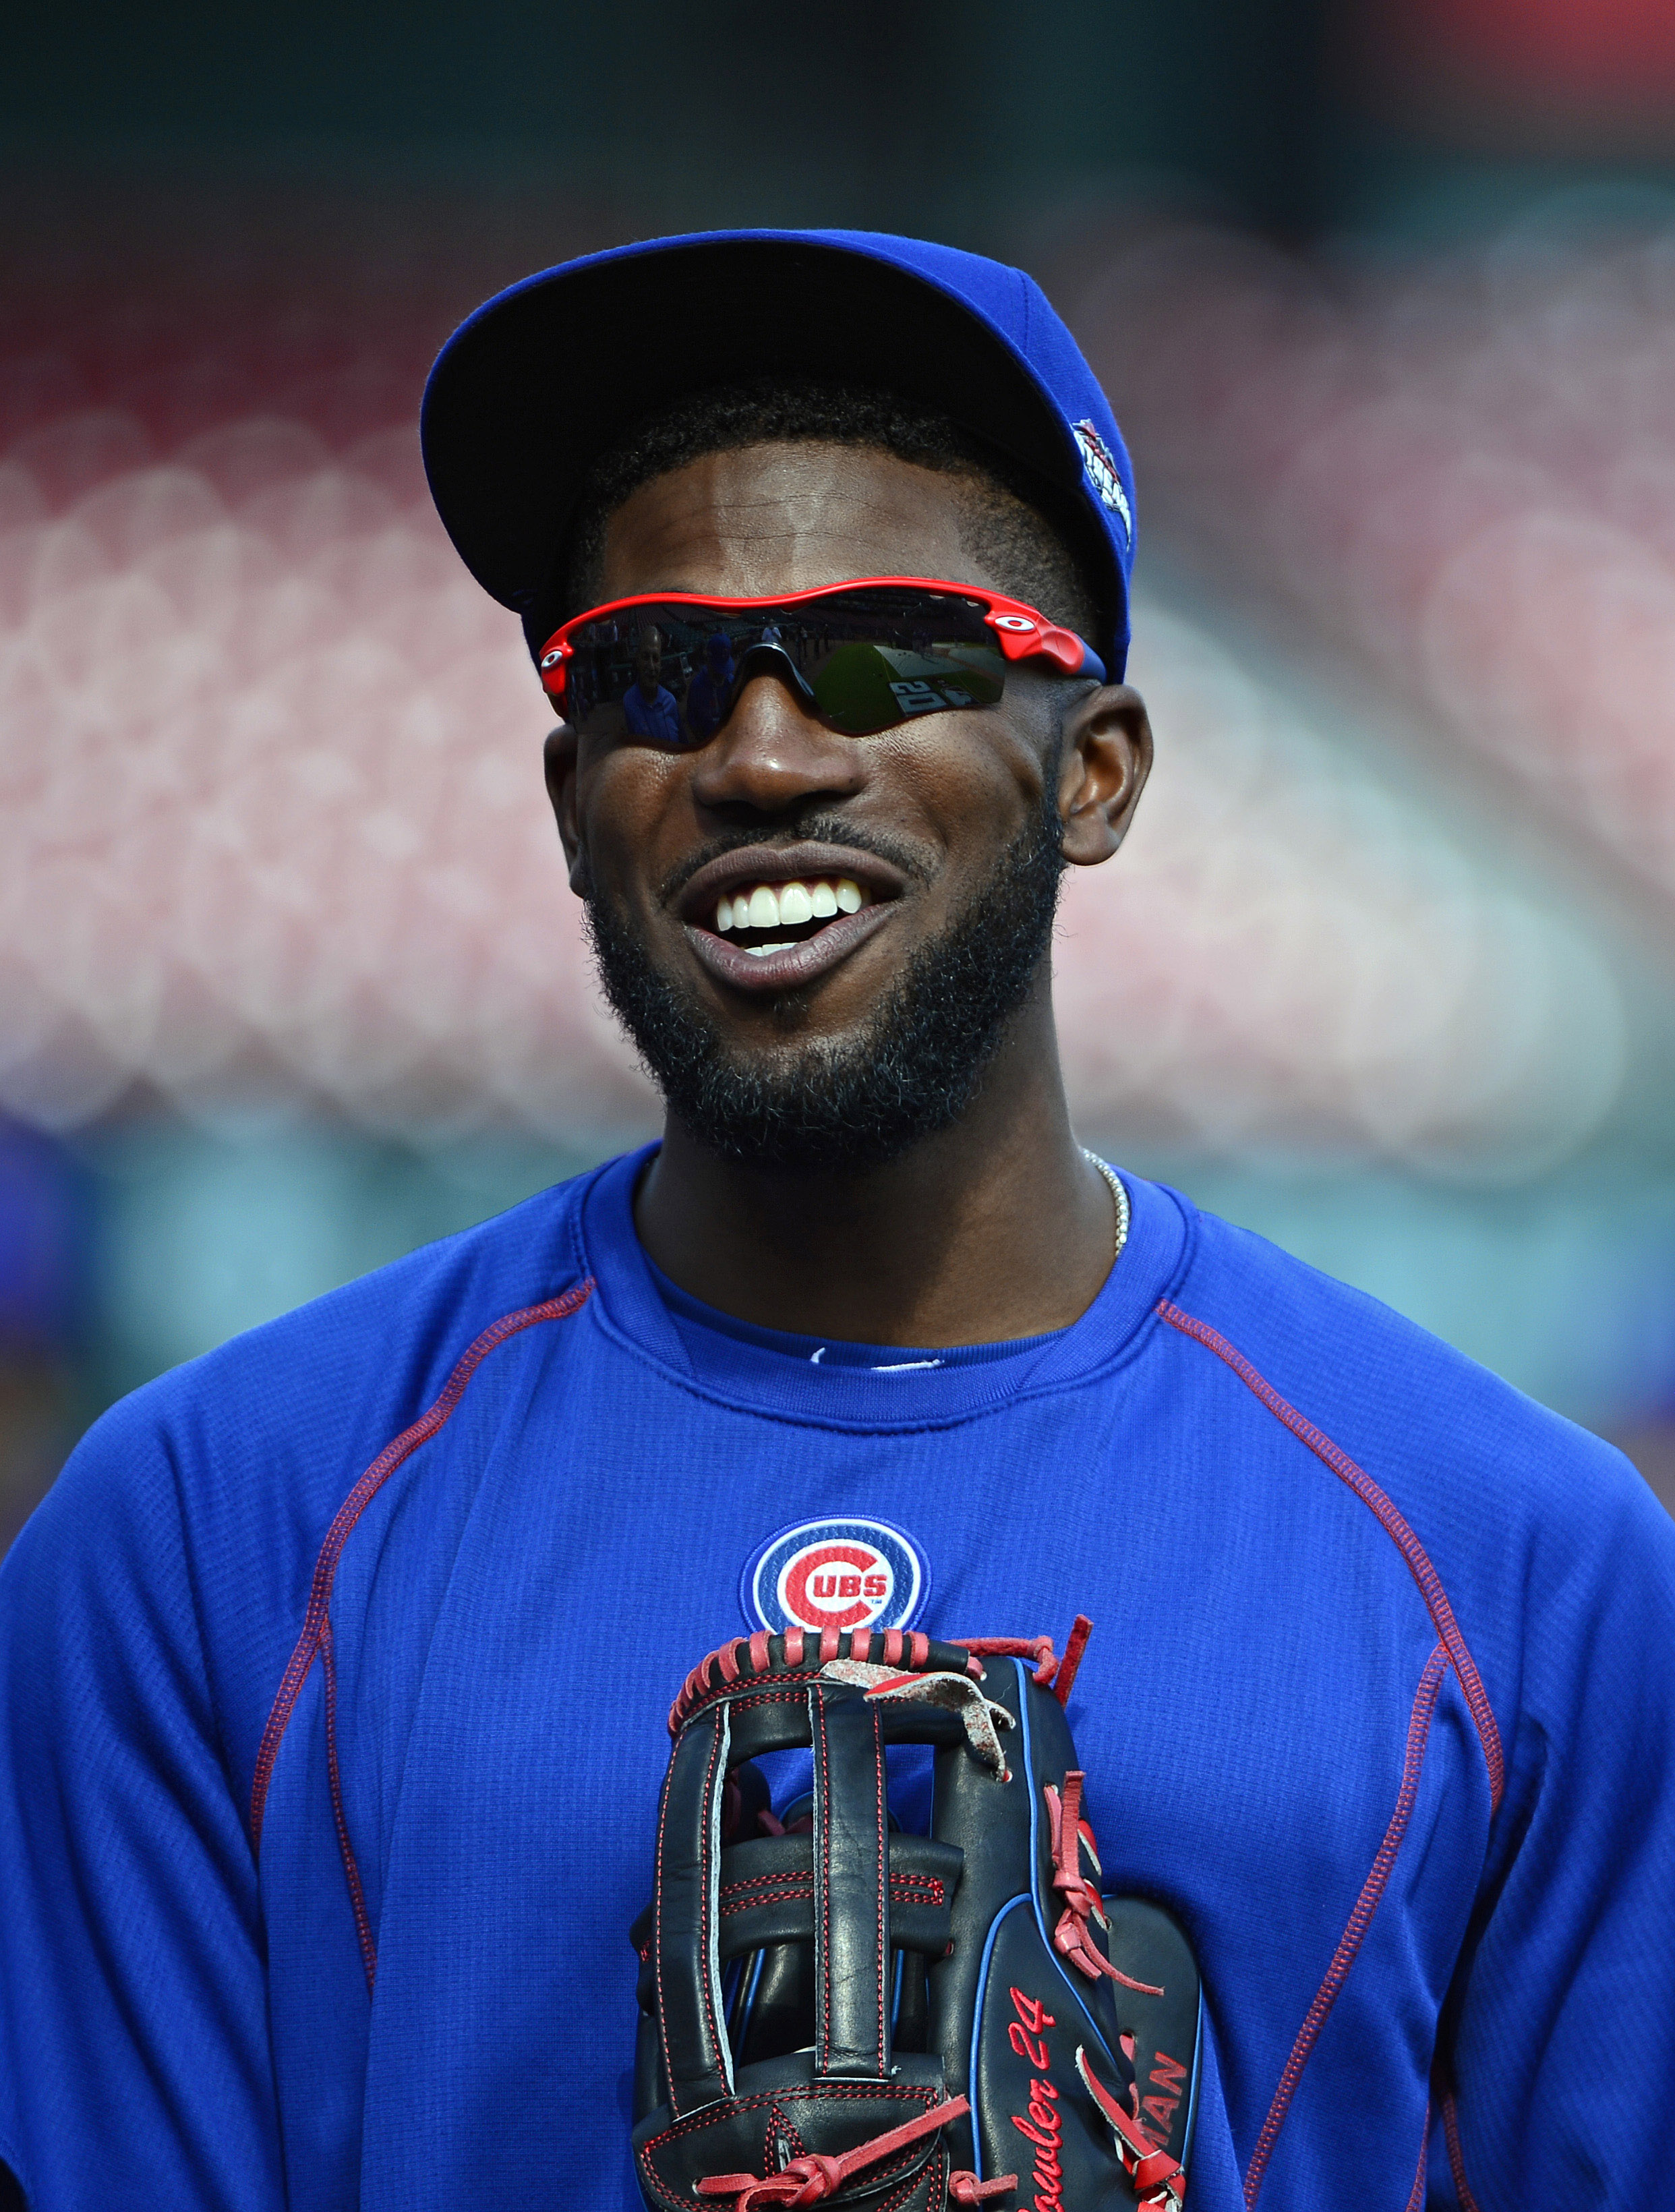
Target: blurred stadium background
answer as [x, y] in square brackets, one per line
[1385, 296]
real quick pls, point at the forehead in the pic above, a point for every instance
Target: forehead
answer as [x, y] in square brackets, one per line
[787, 517]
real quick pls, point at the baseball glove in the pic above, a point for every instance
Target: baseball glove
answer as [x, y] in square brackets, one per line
[834, 2011]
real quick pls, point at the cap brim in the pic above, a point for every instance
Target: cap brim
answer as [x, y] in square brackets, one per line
[539, 382]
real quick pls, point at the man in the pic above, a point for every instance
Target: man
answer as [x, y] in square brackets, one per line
[649, 709]
[707, 699]
[336, 1662]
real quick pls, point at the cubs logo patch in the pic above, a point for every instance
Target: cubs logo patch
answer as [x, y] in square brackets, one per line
[839, 1572]
[1103, 474]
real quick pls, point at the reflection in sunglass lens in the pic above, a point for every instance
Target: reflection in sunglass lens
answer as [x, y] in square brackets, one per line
[867, 661]
[867, 687]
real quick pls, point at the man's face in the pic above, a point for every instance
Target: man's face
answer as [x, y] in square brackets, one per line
[947, 828]
[648, 662]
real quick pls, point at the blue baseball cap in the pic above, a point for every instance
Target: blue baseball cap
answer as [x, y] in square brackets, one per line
[548, 374]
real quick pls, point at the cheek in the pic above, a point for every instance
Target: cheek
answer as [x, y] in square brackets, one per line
[971, 779]
[630, 804]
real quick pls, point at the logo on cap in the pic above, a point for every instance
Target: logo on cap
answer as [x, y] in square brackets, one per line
[1102, 474]
[835, 1573]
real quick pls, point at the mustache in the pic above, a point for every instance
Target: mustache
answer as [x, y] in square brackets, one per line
[816, 829]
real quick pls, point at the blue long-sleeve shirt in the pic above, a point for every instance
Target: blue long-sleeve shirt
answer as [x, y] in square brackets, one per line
[333, 1670]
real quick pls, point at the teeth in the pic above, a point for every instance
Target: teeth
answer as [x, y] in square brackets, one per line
[771, 906]
[762, 951]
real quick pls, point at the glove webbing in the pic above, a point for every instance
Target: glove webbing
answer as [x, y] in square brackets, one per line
[851, 1901]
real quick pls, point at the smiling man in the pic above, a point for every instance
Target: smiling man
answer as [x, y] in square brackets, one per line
[336, 1665]
[826, 926]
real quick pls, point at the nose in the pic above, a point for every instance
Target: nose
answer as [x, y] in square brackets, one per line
[770, 756]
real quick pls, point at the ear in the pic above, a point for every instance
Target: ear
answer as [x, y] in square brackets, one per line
[1105, 761]
[560, 756]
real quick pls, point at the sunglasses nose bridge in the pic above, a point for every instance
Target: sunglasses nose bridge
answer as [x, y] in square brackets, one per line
[770, 660]
[773, 752]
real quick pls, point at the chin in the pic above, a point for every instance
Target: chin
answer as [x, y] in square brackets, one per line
[820, 1096]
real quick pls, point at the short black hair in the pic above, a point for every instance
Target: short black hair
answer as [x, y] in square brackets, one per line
[1034, 545]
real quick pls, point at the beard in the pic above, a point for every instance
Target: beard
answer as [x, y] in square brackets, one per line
[913, 1068]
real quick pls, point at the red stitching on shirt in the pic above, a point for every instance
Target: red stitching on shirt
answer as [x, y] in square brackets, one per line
[1416, 2202]
[1456, 2157]
[325, 1567]
[1418, 1730]
[357, 1896]
[1424, 1574]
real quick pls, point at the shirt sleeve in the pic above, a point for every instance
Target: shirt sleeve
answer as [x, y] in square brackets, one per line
[134, 2053]
[1559, 2062]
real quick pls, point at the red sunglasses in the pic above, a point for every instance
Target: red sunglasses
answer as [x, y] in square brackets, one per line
[866, 656]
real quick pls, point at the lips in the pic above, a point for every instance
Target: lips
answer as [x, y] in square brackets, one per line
[775, 917]
[789, 966]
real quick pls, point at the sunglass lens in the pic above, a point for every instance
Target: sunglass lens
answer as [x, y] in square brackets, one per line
[865, 688]
[869, 660]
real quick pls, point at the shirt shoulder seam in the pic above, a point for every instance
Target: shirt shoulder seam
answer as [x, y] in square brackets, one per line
[1384, 1511]
[316, 1618]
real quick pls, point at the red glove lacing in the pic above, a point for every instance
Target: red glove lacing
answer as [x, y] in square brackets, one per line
[1157, 2179]
[812, 2180]
[1070, 1937]
[1050, 1672]
[966, 2188]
